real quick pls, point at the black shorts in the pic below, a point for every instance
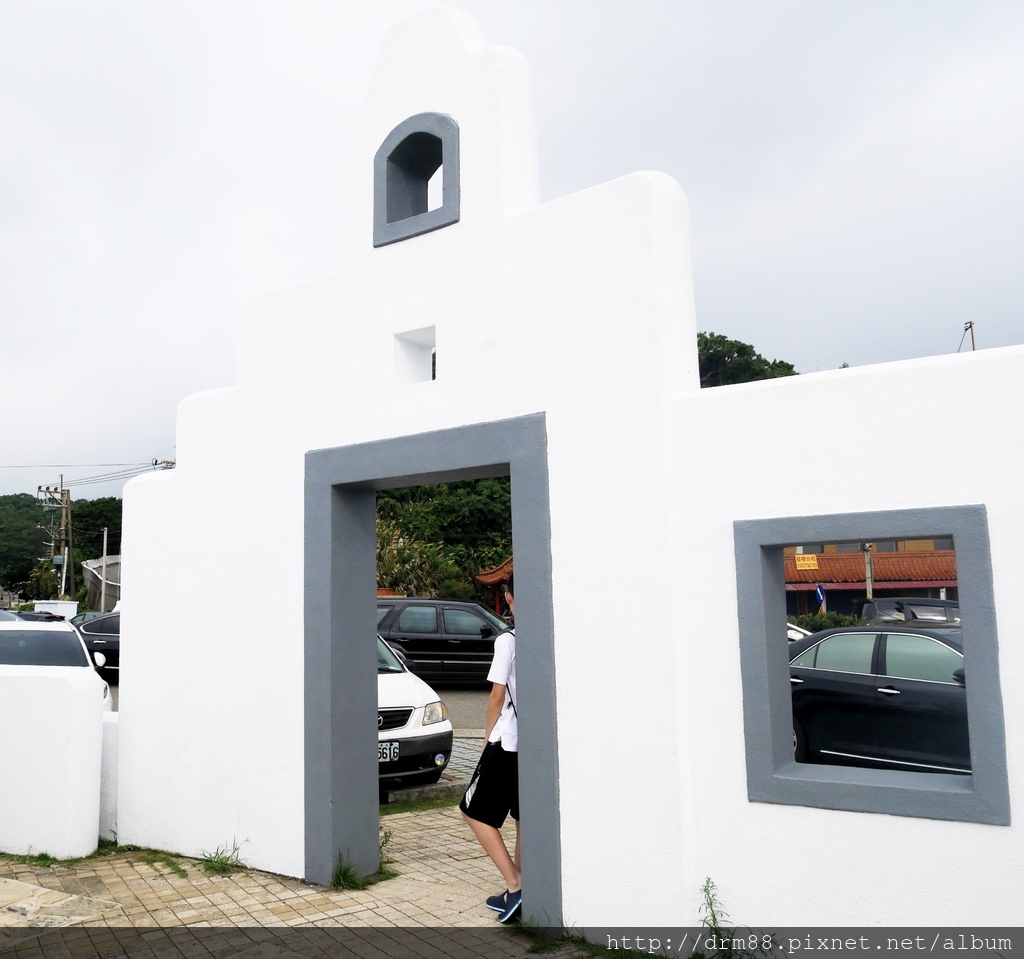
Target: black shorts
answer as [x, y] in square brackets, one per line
[493, 791]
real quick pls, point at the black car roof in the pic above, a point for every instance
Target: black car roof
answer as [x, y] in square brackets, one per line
[385, 600]
[951, 635]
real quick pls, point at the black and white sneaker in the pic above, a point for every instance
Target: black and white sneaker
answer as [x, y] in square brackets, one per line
[499, 902]
[513, 906]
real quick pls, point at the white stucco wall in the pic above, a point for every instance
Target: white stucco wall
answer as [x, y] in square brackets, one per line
[583, 309]
[315, 369]
[108, 777]
[737, 458]
[52, 723]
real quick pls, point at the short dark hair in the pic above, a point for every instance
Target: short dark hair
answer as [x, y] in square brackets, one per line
[508, 585]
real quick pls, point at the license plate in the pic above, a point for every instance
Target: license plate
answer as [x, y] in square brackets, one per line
[387, 752]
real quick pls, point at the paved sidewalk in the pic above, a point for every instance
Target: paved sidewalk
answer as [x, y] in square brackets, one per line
[122, 905]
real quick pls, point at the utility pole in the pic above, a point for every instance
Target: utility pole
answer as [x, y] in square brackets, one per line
[969, 325]
[103, 582]
[53, 498]
[869, 577]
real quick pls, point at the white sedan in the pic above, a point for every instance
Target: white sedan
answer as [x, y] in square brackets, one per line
[49, 649]
[414, 736]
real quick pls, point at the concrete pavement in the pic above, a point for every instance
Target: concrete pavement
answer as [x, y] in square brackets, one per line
[122, 904]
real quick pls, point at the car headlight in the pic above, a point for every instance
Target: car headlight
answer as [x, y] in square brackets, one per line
[434, 713]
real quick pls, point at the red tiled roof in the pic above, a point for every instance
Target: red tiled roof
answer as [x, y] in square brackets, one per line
[905, 568]
[496, 574]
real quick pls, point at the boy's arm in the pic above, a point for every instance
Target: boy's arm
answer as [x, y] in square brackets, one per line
[495, 702]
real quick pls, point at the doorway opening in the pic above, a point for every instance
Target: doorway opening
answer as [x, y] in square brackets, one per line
[341, 774]
[438, 623]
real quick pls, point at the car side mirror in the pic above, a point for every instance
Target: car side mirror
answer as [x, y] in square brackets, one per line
[486, 632]
[960, 676]
[99, 659]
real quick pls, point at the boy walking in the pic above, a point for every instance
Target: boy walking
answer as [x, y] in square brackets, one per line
[493, 792]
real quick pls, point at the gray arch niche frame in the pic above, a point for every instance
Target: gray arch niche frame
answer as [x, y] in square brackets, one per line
[772, 775]
[341, 801]
[402, 167]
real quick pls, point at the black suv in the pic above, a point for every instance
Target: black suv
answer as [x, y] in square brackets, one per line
[440, 638]
[919, 610]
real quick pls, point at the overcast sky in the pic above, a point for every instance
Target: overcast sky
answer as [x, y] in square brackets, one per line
[853, 167]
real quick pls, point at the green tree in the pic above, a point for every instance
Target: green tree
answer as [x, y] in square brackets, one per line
[43, 581]
[89, 517]
[723, 361]
[22, 541]
[411, 566]
[465, 526]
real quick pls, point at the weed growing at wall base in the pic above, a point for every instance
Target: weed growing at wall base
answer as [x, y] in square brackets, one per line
[347, 877]
[224, 858]
[726, 944]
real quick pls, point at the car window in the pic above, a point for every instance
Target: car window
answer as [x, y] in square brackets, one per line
[103, 626]
[919, 657]
[387, 661]
[934, 614]
[418, 619]
[382, 611]
[36, 647]
[846, 652]
[888, 612]
[462, 622]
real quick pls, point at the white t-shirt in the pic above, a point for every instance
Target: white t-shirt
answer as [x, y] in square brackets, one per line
[503, 672]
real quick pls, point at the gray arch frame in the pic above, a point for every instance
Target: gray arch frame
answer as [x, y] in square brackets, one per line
[772, 775]
[402, 165]
[341, 803]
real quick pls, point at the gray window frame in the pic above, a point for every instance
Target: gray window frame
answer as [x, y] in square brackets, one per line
[772, 774]
[401, 170]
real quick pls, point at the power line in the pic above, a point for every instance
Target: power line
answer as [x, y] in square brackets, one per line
[70, 466]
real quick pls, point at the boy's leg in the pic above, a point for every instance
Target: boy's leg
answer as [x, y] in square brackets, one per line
[492, 843]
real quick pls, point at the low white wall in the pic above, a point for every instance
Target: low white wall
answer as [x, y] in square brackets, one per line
[50, 749]
[59, 607]
[108, 777]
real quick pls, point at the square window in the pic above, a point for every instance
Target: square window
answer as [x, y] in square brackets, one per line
[772, 774]
[414, 356]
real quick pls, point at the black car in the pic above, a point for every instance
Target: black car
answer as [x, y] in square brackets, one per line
[102, 634]
[881, 697]
[440, 639]
[917, 610]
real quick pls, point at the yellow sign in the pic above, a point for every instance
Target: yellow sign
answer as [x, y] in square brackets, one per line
[806, 560]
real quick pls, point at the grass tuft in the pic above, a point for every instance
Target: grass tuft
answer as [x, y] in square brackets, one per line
[223, 859]
[347, 877]
[157, 858]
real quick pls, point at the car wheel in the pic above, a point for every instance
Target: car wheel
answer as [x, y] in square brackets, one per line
[799, 743]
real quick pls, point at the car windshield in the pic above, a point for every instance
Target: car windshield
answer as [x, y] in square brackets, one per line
[387, 661]
[496, 621]
[37, 647]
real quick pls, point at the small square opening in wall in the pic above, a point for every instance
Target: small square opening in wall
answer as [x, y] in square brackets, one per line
[901, 764]
[414, 356]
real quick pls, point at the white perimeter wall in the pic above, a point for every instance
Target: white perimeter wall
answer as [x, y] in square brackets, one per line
[51, 720]
[582, 309]
[737, 454]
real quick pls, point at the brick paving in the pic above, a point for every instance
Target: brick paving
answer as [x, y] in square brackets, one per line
[437, 899]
